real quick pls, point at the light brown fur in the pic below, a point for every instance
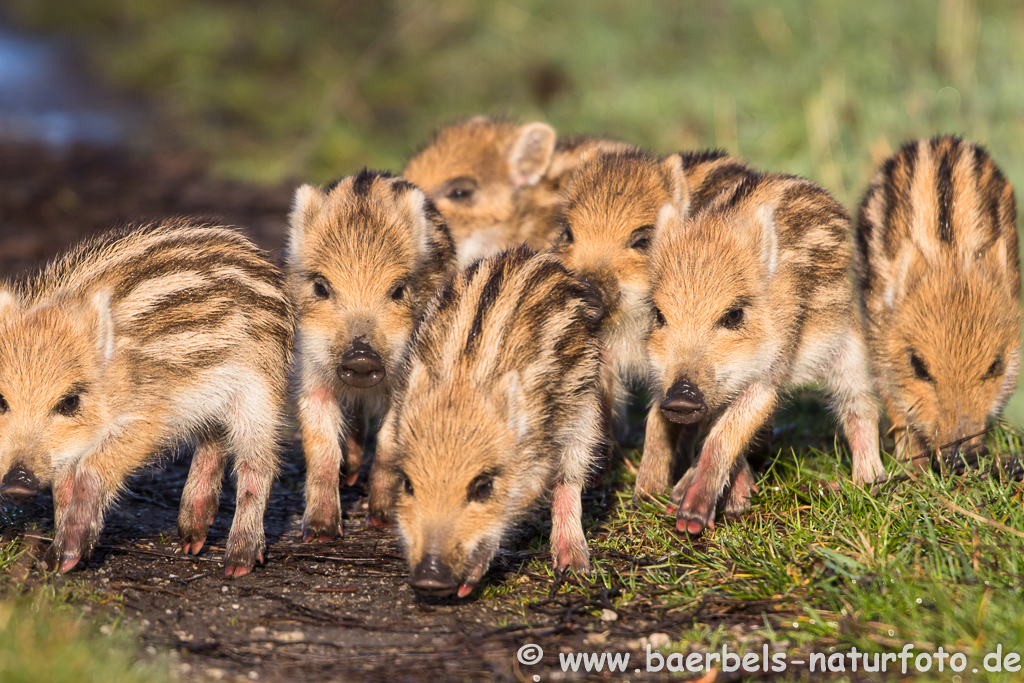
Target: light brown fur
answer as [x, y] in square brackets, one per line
[498, 183]
[130, 343]
[751, 296]
[939, 277]
[610, 206]
[363, 258]
[500, 408]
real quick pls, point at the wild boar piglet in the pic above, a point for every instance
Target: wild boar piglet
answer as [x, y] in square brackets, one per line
[364, 256]
[609, 208]
[129, 344]
[939, 281]
[500, 408]
[498, 183]
[751, 295]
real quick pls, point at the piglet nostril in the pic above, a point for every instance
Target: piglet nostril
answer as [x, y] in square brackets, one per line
[684, 403]
[361, 366]
[432, 576]
[19, 483]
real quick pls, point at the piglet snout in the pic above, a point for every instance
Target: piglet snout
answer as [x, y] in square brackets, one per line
[361, 366]
[19, 483]
[433, 577]
[684, 403]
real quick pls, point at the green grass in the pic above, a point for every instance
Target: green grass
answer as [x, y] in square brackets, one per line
[51, 632]
[925, 560]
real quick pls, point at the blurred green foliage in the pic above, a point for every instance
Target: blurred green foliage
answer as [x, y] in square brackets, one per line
[314, 89]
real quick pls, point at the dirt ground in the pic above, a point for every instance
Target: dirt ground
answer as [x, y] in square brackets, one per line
[337, 611]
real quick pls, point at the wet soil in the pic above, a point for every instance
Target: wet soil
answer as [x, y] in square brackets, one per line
[313, 612]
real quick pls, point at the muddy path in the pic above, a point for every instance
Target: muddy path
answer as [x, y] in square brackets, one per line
[335, 611]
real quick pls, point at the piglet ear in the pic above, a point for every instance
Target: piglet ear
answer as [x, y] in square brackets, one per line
[308, 201]
[670, 222]
[764, 218]
[531, 153]
[9, 303]
[102, 320]
[676, 182]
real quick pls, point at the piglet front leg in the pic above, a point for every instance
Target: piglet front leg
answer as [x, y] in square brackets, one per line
[697, 494]
[568, 544]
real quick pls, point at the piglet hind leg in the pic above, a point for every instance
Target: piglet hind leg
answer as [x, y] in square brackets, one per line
[252, 438]
[96, 480]
[741, 489]
[384, 481]
[853, 402]
[697, 494]
[354, 446]
[323, 424]
[200, 499]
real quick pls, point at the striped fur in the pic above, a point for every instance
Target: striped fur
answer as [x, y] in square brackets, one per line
[502, 388]
[498, 183]
[751, 296]
[364, 256]
[939, 277]
[610, 206]
[135, 341]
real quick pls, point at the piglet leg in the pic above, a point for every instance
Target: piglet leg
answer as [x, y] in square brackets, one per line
[659, 452]
[97, 478]
[354, 445]
[853, 402]
[384, 478]
[201, 496]
[697, 495]
[568, 544]
[321, 421]
[252, 440]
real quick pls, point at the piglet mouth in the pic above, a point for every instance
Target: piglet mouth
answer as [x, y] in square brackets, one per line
[19, 483]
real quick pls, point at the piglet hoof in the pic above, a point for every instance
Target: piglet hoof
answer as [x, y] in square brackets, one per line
[239, 561]
[695, 509]
[321, 534]
[192, 546]
[323, 528]
[62, 556]
[738, 503]
[571, 557]
[378, 522]
[193, 537]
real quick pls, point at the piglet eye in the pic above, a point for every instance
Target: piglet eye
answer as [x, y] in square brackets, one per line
[3, 405]
[732, 319]
[399, 293]
[567, 236]
[659, 317]
[994, 370]
[68, 405]
[481, 488]
[460, 194]
[920, 369]
[407, 485]
[320, 289]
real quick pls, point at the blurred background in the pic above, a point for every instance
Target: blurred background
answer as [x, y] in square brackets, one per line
[272, 92]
